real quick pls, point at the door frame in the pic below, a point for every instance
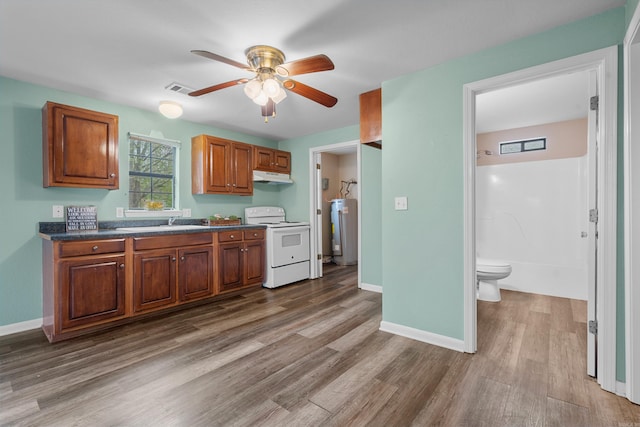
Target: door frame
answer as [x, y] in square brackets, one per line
[604, 61]
[631, 214]
[315, 190]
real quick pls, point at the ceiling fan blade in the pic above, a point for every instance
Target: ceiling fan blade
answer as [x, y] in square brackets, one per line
[218, 87]
[311, 93]
[217, 57]
[312, 64]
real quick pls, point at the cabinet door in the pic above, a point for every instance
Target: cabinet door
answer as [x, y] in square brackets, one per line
[254, 262]
[218, 179]
[282, 162]
[230, 260]
[371, 117]
[263, 158]
[92, 291]
[195, 272]
[80, 148]
[241, 169]
[154, 283]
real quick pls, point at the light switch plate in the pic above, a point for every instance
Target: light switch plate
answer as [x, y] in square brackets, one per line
[401, 203]
[186, 213]
[119, 212]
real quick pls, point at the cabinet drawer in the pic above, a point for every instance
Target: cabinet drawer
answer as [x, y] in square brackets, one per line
[172, 241]
[230, 236]
[91, 247]
[254, 235]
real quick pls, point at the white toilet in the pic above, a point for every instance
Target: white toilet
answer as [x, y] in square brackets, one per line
[488, 272]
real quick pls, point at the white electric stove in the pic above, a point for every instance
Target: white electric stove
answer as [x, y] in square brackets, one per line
[287, 245]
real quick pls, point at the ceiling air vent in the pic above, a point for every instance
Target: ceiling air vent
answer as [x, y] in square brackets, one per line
[179, 88]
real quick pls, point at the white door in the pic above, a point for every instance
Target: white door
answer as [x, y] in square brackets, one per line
[591, 233]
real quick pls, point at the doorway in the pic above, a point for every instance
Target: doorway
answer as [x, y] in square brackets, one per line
[631, 49]
[335, 173]
[603, 65]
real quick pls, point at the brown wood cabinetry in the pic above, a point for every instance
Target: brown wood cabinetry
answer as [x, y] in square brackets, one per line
[83, 284]
[93, 284]
[270, 160]
[241, 259]
[221, 166]
[80, 147]
[168, 267]
[371, 118]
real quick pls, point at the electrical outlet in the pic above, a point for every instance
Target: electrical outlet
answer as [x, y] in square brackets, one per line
[58, 211]
[119, 212]
[401, 203]
[186, 213]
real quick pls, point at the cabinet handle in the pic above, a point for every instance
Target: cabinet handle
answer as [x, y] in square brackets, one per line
[121, 265]
[232, 236]
[255, 234]
[181, 258]
[95, 248]
[228, 185]
[113, 175]
[173, 259]
[234, 185]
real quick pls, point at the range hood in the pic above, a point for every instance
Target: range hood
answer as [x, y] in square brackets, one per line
[271, 177]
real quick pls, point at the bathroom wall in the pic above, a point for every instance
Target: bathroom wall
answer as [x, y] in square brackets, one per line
[531, 213]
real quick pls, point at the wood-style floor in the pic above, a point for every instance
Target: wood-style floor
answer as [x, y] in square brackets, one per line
[311, 354]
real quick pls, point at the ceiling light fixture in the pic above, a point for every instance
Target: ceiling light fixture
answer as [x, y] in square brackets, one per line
[266, 91]
[170, 109]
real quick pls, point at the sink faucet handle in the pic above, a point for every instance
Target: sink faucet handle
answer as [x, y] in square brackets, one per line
[172, 220]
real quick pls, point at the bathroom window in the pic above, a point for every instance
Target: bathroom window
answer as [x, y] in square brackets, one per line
[152, 172]
[523, 145]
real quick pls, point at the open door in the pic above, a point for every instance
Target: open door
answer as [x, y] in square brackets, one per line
[592, 233]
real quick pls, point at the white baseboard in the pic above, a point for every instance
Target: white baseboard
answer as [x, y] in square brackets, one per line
[372, 288]
[424, 336]
[621, 389]
[20, 327]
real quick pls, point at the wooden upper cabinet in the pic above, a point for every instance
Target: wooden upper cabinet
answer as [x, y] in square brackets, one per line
[80, 147]
[221, 166]
[371, 118]
[270, 160]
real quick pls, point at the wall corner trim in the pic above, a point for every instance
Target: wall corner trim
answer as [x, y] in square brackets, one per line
[424, 336]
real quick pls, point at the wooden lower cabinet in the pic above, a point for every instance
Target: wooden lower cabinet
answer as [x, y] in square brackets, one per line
[92, 290]
[84, 285]
[154, 282]
[93, 284]
[195, 272]
[241, 259]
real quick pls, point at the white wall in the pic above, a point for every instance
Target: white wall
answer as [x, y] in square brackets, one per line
[531, 214]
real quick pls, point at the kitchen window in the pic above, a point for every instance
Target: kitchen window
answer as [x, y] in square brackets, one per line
[152, 173]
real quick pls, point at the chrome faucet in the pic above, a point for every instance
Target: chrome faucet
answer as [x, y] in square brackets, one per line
[172, 220]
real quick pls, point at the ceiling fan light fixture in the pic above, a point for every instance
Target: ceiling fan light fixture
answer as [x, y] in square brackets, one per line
[261, 99]
[271, 87]
[253, 88]
[282, 94]
[170, 109]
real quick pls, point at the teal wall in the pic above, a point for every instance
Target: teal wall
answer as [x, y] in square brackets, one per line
[422, 249]
[631, 6]
[371, 213]
[25, 202]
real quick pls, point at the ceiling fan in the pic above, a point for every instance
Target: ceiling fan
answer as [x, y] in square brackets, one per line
[268, 86]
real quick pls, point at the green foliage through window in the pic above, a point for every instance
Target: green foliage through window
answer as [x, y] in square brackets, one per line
[152, 167]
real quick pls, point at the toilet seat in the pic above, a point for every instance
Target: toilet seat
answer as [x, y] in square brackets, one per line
[492, 266]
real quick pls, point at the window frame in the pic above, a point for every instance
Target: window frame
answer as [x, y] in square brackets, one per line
[523, 145]
[175, 211]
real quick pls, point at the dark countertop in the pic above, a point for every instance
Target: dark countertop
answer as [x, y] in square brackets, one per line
[108, 229]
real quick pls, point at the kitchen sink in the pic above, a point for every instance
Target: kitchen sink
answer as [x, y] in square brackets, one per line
[160, 228]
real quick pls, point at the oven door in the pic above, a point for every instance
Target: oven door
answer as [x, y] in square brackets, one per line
[289, 245]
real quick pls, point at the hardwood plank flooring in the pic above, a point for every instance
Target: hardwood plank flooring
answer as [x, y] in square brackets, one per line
[311, 354]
